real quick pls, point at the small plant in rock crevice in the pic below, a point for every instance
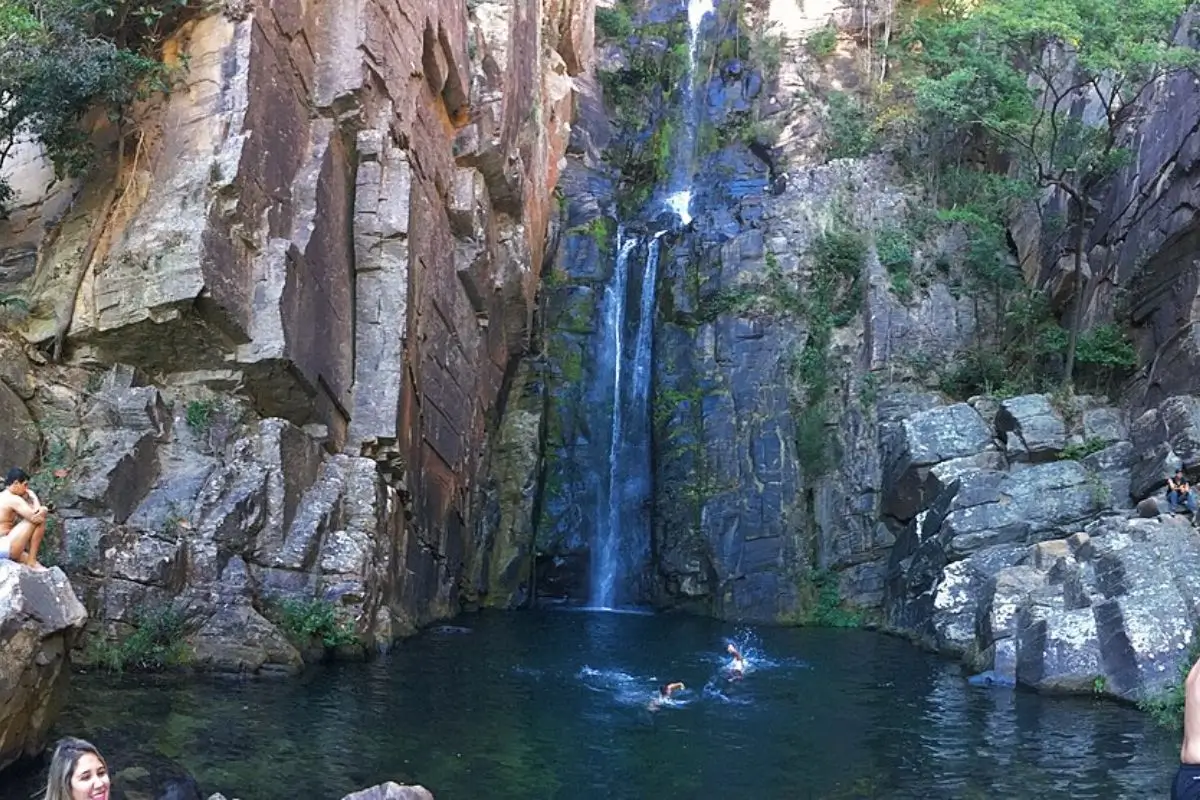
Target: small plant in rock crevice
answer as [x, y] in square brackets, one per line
[306, 620]
[821, 43]
[819, 603]
[157, 643]
[1080, 451]
[200, 415]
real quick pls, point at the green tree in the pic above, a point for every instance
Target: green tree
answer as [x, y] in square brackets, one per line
[62, 59]
[1010, 77]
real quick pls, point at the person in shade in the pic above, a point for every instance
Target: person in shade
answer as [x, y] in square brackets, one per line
[1187, 778]
[737, 666]
[664, 695]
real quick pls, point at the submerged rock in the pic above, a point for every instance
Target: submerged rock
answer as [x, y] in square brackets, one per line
[39, 620]
[391, 791]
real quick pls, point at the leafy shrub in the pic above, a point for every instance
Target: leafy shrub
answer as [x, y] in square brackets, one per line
[305, 620]
[820, 604]
[614, 23]
[157, 643]
[61, 59]
[895, 253]
[1078, 452]
[823, 42]
[199, 415]
[849, 127]
[1106, 346]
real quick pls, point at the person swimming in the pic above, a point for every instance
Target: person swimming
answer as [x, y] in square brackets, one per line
[664, 695]
[737, 666]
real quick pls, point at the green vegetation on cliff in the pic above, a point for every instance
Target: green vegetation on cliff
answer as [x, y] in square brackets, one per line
[984, 104]
[156, 643]
[60, 60]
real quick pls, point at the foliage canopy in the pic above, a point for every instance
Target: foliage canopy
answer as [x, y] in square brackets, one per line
[62, 59]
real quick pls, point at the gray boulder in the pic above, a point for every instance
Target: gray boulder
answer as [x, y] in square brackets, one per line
[1111, 468]
[1111, 610]
[927, 438]
[1032, 427]
[39, 620]
[1041, 502]
[391, 791]
[1104, 424]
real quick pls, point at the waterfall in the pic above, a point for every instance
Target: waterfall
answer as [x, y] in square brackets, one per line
[607, 542]
[622, 540]
[679, 192]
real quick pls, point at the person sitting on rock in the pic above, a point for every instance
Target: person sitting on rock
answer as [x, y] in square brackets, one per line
[1180, 494]
[1187, 777]
[22, 521]
[664, 695]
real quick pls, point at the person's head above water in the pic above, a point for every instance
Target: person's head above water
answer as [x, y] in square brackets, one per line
[77, 772]
[666, 689]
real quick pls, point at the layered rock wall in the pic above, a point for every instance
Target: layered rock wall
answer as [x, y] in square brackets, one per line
[326, 241]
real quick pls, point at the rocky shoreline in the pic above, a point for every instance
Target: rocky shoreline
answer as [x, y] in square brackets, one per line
[1022, 553]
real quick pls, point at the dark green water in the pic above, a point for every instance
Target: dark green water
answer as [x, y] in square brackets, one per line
[552, 705]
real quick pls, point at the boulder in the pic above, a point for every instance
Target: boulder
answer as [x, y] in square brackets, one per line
[1041, 502]
[238, 639]
[1153, 458]
[1181, 418]
[39, 620]
[1038, 430]
[1112, 468]
[1111, 609]
[1104, 424]
[391, 791]
[921, 441]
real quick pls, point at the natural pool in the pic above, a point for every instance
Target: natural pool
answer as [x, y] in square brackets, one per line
[553, 705]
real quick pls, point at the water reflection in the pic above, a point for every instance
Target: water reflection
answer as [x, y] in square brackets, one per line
[553, 705]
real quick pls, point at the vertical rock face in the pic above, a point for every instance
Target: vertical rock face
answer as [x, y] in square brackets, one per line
[40, 618]
[339, 220]
[1143, 245]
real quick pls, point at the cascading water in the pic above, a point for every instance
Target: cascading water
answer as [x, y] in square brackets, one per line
[606, 553]
[679, 197]
[623, 535]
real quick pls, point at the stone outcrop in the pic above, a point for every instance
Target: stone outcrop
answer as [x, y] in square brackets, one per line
[1142, 247]
[40, 619]
[317, 266]
[1111, 609]
[391, 791]
[384, 791]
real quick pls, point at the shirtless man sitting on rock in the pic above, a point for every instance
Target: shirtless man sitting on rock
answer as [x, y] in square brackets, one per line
[22, 520]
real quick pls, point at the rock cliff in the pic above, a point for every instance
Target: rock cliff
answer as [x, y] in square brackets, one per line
[811, 456]
[314, 268]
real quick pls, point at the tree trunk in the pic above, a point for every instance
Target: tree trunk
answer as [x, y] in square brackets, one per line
[1081, 203]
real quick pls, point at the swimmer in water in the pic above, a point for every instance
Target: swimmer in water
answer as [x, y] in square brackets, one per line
[664, 695]
[737, 667]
